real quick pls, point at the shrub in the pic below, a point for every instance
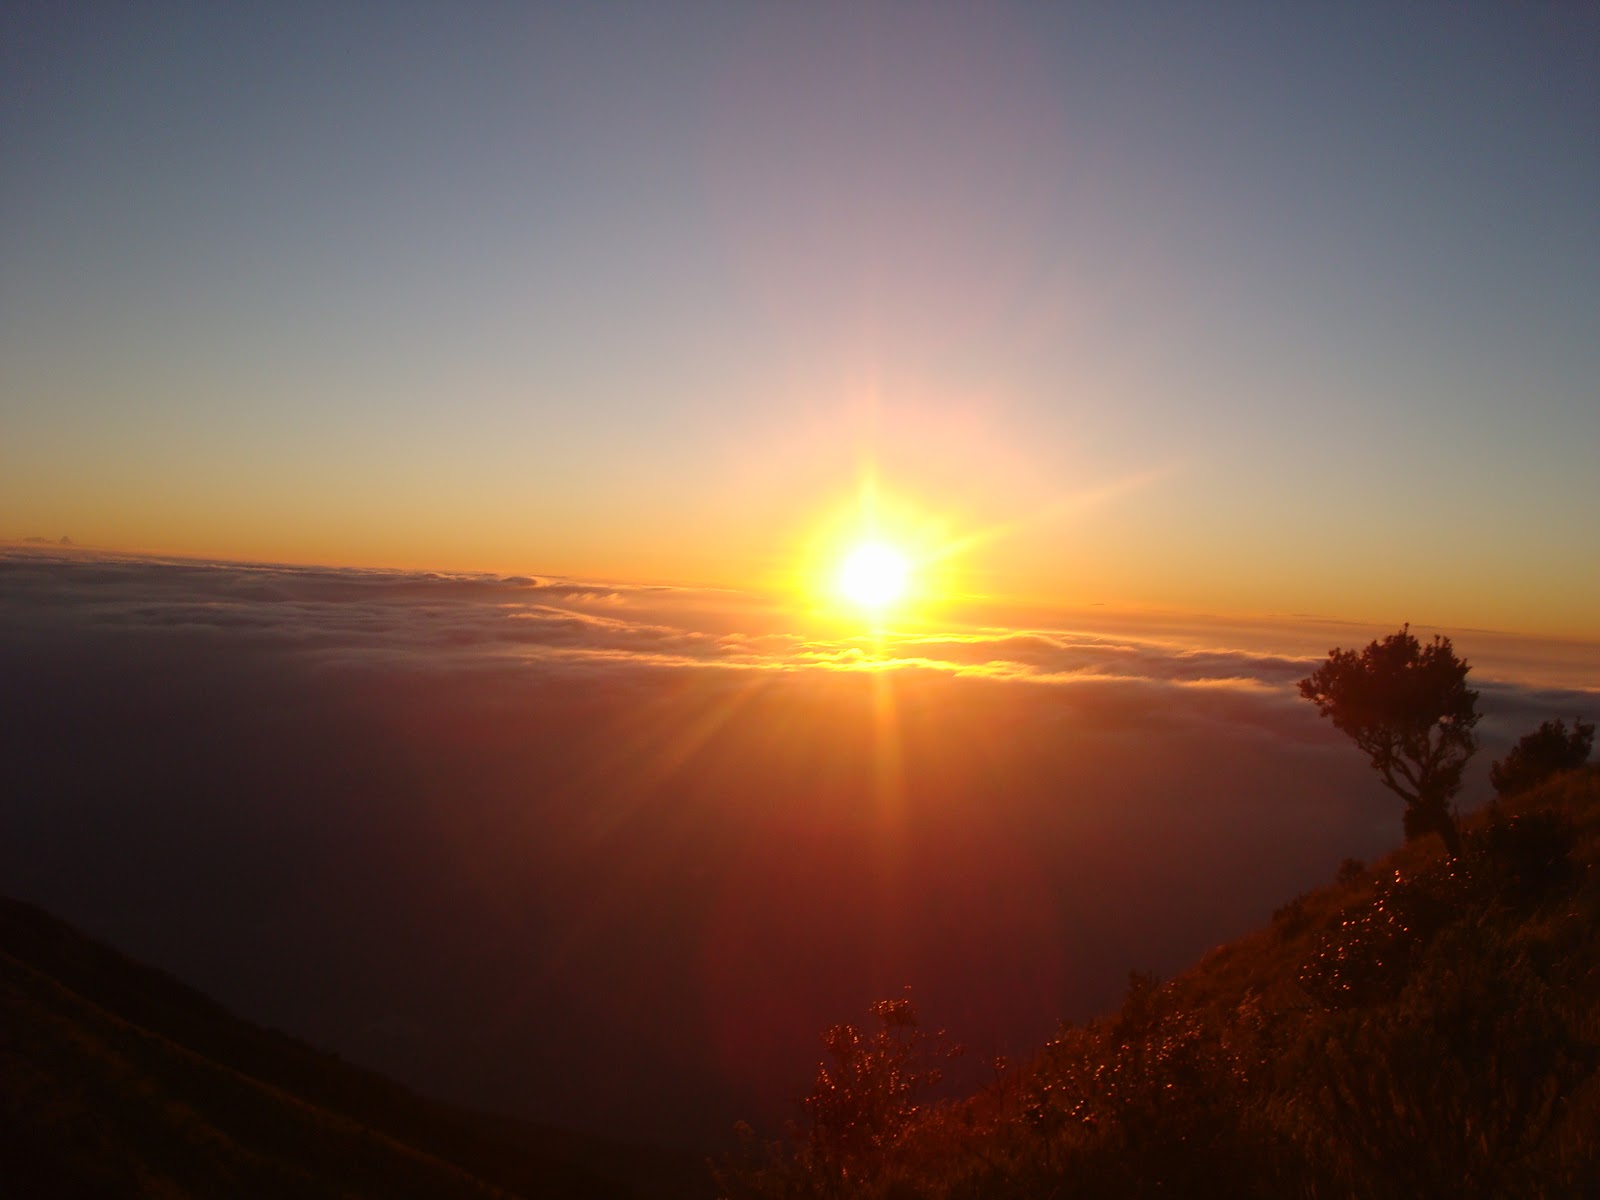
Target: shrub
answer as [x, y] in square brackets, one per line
[1369, 955]
[1521, 859]
[1541, 754]
[872, 1090]
[1158, 1100]
[1444, 1091]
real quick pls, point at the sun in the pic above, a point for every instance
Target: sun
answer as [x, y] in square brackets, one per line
[874, 576]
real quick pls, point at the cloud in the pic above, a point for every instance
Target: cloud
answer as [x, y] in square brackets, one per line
[453, 618]
[613, 855]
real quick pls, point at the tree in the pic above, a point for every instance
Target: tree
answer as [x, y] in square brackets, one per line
[864, 1104]
[861, 1104]
[1540, 754]
[1408, 708]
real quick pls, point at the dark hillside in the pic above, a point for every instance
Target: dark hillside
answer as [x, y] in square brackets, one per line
[115, 1079]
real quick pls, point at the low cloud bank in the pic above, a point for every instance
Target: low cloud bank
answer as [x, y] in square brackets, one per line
[612, 856]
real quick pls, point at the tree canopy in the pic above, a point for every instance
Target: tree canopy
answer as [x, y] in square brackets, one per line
[1408, 708]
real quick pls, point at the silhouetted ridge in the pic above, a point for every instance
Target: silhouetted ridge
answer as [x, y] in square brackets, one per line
[117, 1079]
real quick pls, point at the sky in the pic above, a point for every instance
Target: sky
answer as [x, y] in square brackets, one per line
[1232, 308]
[453, 408]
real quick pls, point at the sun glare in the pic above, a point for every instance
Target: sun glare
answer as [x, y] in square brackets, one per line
[874, 576]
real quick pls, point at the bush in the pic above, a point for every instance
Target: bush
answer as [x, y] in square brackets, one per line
[1541, 754]
[1444, 1091]
[1521, 859]
[1157, 1100]
[864, 1100]
[1368, 956]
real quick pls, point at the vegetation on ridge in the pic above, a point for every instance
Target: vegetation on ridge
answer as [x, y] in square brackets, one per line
[1428, 1027]
[1546, 751]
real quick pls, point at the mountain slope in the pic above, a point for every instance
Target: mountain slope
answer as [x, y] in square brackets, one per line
[115, 1079]
[1423, 1027]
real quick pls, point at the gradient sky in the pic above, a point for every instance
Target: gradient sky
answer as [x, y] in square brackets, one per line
[1255, 308]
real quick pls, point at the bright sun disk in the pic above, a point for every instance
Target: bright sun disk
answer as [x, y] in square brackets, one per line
[874, 576]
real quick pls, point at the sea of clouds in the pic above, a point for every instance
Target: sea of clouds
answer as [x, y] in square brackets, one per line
[612, 856]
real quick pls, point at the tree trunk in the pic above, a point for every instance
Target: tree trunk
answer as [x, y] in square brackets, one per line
[1451, 834]
[1425, 816]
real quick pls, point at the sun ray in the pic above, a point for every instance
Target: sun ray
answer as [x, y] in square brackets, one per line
[1064, 506]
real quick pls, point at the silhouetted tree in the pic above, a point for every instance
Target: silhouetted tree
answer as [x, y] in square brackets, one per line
[863, 1101]
[1408, 707]
[1540, 754]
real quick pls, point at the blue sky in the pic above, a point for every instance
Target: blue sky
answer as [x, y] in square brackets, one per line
[1244, 308]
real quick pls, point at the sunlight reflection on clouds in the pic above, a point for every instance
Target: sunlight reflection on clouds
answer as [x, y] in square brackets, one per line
[467, 620]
